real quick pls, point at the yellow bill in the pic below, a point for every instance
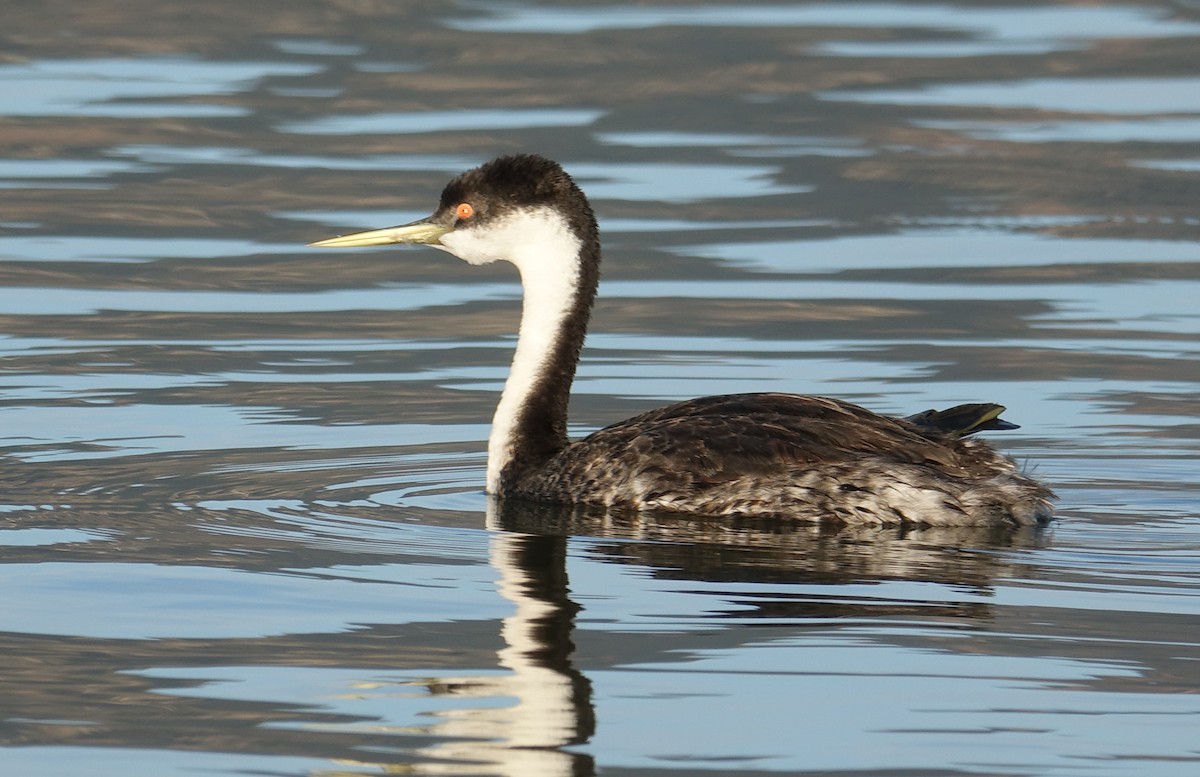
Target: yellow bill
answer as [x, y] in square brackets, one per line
[422, 232]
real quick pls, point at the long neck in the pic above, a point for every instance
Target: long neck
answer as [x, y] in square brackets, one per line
[559, 272]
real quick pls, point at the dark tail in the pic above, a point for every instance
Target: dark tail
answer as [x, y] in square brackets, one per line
[961, 420]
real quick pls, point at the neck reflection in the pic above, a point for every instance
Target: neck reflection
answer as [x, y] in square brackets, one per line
[553, 700]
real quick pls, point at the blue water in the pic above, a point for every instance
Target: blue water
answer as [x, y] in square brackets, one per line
[242, 526]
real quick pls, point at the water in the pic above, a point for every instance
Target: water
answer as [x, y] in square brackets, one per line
[241, 515]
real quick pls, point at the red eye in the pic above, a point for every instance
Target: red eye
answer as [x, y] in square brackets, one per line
[465, 210]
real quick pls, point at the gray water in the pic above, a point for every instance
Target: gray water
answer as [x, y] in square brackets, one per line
[241, 513]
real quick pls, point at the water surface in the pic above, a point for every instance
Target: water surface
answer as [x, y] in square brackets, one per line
[241, 519]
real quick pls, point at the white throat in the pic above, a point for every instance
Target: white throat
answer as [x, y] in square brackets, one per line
[547, 254]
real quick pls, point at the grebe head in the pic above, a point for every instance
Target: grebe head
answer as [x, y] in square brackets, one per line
[513, 208]
[525, 210]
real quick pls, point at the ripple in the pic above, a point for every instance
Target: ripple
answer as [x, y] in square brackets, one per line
[1118, 95]
[121, 250]
[662, 182]
[122, 87]
[1180, 165]
[940, 49]
[61, 301]
[975, 248]
[1140, 131]
[318, 47]
[415, 122]
[107, 431]
[1022, 23]
[66, 168]
[27, 538]
[741, 144]
[148, 601]
[109, 761]
[233, 155]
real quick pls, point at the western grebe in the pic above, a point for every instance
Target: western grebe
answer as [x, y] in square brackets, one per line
[760, 454]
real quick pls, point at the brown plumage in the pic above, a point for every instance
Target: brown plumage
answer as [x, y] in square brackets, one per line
[796, 457]
[781, 455]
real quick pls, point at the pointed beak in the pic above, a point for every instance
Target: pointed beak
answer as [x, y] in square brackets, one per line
[424, 232]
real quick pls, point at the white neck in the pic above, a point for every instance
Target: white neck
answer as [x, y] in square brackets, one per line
[547, 254]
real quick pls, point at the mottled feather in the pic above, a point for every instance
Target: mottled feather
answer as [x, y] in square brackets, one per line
[795, 457]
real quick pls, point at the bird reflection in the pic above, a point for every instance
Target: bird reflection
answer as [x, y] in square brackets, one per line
[767, 550]
[553, 708]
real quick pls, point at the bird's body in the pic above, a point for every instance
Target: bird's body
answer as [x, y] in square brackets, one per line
[784, 455]
[769, 454]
